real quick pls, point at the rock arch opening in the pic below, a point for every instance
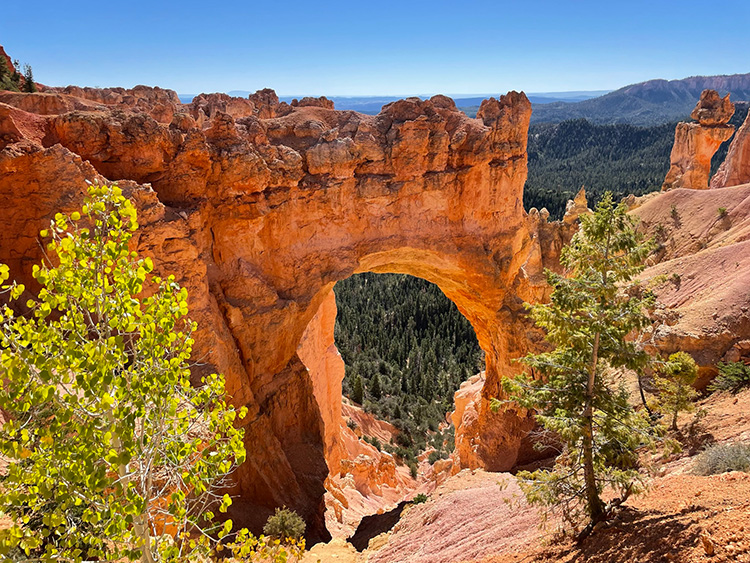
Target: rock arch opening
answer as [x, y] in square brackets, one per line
[405, 349]
[482, 438]
[401, 340]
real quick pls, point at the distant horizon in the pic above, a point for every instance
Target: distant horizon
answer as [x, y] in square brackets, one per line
[349, 49]
[238, 92]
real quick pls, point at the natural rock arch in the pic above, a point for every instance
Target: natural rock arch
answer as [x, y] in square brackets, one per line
[260, 212]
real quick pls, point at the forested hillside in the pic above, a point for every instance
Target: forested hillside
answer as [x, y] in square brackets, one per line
[623, 159]
[648, 103]
[564, 157]
[406, 349]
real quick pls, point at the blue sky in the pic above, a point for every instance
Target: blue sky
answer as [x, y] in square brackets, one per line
[381, 48]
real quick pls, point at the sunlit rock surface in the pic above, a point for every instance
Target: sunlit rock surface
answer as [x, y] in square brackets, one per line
[259, 207]
[696, 143]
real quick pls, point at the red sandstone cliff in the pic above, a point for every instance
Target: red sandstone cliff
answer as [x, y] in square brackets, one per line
[261, 212]
[259, 207]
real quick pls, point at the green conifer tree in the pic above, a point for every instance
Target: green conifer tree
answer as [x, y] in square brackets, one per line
[29, 85]
[16, 75]
[575, 394]
[375, 391]
[6, 77]
[358, 391]
[674, 379]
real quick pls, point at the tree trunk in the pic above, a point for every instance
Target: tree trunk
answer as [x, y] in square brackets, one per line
[139, 526]
[643, 396]
[594, 504]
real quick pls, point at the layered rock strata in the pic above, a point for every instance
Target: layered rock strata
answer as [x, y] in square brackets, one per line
[696, 143]
[260, 210]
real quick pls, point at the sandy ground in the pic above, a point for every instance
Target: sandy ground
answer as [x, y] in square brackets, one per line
[479, 517]
[681, 517]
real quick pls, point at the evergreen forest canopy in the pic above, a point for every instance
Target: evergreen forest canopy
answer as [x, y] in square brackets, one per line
[407, 349]
[623, 159]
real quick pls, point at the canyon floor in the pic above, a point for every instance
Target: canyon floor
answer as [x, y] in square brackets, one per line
[481, 517]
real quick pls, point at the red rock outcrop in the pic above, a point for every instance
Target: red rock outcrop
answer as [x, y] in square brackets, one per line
[317, 351]
[8, 60]
[712, 110]
[260, 216]
[696, 143]
[157, 102]
[735, 169]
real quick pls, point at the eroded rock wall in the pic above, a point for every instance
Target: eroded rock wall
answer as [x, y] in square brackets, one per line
[703, 263]
[259, 214]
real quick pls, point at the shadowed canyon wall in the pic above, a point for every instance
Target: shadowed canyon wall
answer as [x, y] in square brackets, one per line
[260, 207]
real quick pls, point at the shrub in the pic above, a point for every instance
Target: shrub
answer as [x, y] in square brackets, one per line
[674, 379]
[419, 499]
[413, 469]
[436, 455]
[733, 377]
[285, 525]
[351, 424]
[721, 458]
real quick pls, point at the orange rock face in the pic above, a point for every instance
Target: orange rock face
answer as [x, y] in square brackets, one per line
[712, 110]
[696, 143]
[259, 213]
[735, 169]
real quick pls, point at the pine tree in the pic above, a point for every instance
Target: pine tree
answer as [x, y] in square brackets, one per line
[358, 391]
[6, 77]
[674, 379]
[574, 392]
[29, 85]
[16, 76]
[375, 391]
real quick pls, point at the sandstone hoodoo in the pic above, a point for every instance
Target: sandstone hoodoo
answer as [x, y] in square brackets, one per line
[696, 143]
[259, 207]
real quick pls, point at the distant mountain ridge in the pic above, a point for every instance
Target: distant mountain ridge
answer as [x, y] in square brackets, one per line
[647, 103]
